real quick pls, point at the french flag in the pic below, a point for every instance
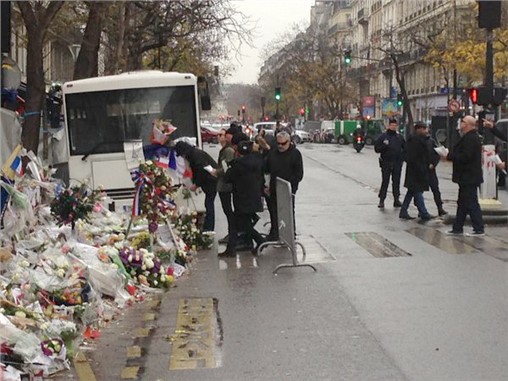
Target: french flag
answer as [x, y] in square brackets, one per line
[17, 166]
[163, 162]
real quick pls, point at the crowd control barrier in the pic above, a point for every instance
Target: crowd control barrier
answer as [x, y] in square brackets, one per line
[285, 219]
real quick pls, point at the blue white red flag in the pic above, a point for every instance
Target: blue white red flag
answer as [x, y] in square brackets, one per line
[17, 165]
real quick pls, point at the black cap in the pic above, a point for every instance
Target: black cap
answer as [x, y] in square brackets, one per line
[233, 129]
[420, 124]
[244, 147]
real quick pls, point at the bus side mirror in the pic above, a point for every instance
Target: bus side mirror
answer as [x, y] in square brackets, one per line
[204, 94]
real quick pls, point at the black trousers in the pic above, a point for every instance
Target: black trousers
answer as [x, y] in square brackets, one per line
[467, 203]
[245, 223]
[226, 200]
[434, 187]
[391, 169]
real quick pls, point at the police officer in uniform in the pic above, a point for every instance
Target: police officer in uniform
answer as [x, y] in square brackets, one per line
[390, 145]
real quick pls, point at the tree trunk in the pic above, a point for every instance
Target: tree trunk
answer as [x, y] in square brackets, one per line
[402, 84]
[87, 62]
[37, 20]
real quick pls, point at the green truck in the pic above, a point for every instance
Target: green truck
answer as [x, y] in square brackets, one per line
[344, 130]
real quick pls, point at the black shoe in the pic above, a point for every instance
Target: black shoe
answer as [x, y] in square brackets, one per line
[454, 232]
[272, 238]
[406, 217]
[428, 217]
[397, 204]
[228, 253]
[381, 204]
[224, 240]
[442, 212]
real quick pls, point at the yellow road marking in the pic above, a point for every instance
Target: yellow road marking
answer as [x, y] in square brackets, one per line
[193, 342]
[133, 352]
[129, 373]
[82, 367]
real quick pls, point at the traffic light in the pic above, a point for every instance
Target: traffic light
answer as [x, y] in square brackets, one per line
[399, 100]
[473, 95]
[302, 111]
[347, 56]
[278, 94]
[243, 109]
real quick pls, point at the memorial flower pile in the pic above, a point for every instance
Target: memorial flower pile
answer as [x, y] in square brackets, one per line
[72, 204]
[194, 238]
[145, 267]
[154, 195]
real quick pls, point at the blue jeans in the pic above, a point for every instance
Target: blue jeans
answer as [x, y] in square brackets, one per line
[419, 202]
[209, 224]
[468, 204]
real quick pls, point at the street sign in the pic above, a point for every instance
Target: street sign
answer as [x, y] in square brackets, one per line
[453, 105]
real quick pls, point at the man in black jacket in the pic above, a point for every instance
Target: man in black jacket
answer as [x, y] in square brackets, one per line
[285, 162]
[390, 145]
[417, 173]
[246, 176]
[198, 160]
[467, 173]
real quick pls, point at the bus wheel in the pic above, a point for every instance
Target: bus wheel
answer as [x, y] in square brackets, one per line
[369, 141]
[341, 140]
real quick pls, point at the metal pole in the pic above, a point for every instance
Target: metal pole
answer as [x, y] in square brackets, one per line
[489, 62]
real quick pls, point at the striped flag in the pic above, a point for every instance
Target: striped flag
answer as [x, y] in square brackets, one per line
[17, 165]
[162, 162]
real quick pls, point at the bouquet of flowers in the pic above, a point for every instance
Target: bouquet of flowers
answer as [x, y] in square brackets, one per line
[154, 195]
[187, 226]
[53, 348]
[161, 130]
[72, 204]
[145, 267]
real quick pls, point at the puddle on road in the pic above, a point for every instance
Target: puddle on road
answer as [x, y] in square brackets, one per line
[462, 244]
[377, 245]
[450, 244]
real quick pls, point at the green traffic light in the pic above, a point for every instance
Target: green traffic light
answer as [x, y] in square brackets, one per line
[277, 97]
[347, 60]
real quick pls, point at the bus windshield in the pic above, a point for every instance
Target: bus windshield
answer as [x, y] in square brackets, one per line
[101, 121]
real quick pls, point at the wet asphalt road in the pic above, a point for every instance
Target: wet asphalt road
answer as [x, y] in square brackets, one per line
[438, 313]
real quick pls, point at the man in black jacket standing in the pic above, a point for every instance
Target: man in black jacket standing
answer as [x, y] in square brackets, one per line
[285, 162]
[467, 173]
[390, 145]
[246, 177]
[198, 160]
[417, 173]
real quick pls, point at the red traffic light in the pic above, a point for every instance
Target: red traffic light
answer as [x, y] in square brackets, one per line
[473, 95]
[243, 109]
[302, 111]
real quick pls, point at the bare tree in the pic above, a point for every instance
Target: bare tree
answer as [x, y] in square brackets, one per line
[87, 61]
[37, 16]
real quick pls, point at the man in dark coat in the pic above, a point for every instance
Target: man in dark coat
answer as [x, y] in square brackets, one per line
[417, 173]
[198, 160]
[284, 162]
[246, 176]
[467, 173]
[390, 145]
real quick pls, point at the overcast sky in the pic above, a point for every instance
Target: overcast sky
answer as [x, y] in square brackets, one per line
[274, 18]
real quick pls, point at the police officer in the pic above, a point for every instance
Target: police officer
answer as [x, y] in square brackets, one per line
[390, 145]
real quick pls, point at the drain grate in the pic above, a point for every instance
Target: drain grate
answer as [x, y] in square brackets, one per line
[377, 245]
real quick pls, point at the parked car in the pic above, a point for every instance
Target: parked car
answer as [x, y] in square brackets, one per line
[301, 136]
[209, 135]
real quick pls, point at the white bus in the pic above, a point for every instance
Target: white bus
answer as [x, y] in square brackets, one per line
[102, 113]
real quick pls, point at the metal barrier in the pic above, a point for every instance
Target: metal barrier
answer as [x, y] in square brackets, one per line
[285, 219]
